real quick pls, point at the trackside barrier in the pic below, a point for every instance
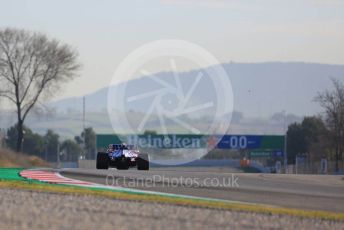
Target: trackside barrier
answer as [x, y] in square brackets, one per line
[87, 164]
[257, 165]
[65, 165]
[323, 166]
[91, 164]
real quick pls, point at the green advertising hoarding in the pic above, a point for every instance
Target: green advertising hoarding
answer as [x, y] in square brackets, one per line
[170, 141]
[175, 141]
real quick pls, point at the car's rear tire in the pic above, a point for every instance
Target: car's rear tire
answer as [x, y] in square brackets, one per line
[102, 161]
[143, 161]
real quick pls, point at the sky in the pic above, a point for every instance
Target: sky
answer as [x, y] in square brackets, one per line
[104, 32]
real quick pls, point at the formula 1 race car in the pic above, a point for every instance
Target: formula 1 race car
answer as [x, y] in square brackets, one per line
[122, 156]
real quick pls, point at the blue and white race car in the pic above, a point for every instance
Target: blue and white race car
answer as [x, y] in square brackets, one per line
[122, 156]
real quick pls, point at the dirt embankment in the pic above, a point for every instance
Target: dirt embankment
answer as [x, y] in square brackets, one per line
[10, 158]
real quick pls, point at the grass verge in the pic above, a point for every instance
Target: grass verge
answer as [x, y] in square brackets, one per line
[75, 190]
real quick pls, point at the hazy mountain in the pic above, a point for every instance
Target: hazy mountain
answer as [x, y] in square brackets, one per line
[260, 89]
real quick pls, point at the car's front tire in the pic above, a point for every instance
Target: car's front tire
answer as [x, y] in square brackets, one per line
[102, 161]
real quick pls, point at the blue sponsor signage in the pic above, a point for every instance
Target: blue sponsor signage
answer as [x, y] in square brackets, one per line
[277, 154]
[240, 142]
[252, 142]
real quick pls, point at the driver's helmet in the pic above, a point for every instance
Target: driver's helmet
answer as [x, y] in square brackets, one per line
[124, 146]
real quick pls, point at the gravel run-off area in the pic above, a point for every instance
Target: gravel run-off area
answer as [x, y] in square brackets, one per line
[21, 209]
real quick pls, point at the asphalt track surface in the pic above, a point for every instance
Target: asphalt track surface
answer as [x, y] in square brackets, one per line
[314, 192]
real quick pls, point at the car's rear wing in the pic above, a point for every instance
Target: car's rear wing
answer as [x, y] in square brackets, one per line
[119, 146]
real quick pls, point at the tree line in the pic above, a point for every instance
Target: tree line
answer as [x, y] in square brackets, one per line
[321, 136]
[49, 145]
